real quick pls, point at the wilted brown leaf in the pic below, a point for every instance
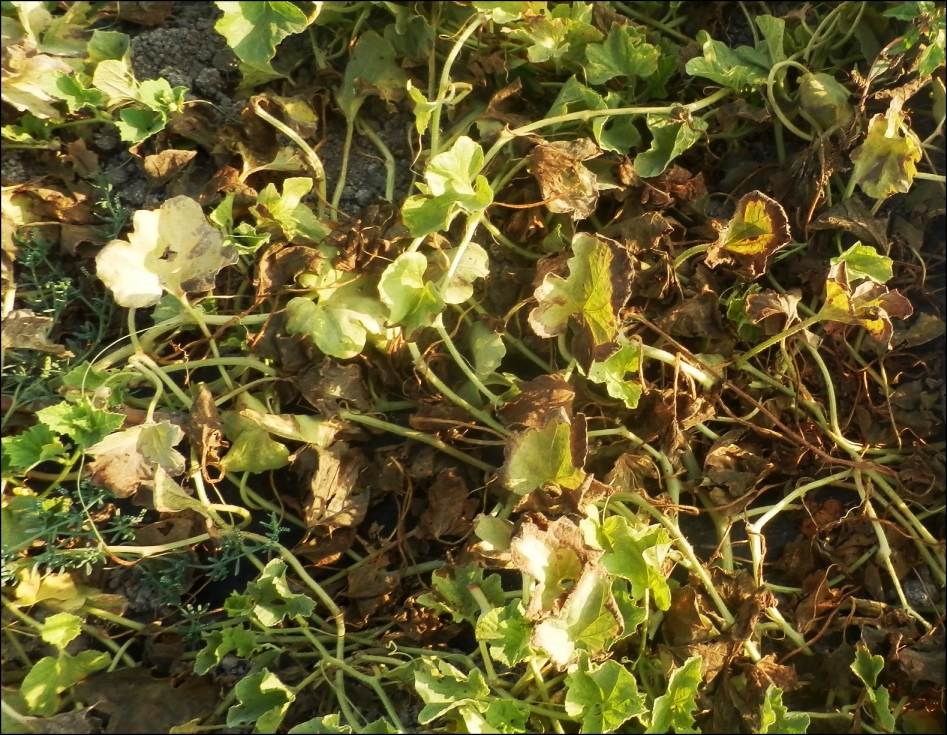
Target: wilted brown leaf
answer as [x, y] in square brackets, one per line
[450, 509]
[567, 186]
[538, 399]
[24, 330]
[136, 702]
[337, 499]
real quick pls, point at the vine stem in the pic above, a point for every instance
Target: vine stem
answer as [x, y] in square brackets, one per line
[586, 115]
[418, 436]
[776, 338]
[318, 172]
[432, 378]
[344, 168]
[770, 81]
[462, 364]
[444, 86]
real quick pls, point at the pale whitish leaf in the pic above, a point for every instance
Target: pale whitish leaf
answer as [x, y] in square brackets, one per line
[173, 249]
[23, 85]
[586, 622]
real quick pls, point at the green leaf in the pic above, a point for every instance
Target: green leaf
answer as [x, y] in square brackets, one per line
[173, 249]
[452, 184]
[274, 602]
[264, 700]
[340, 322]
[371, 70]
[536, 457]
[505, 12]
[135, 125]
[486, 348]
[474, 264]
[423, 109]
[254, 29]
[669, 140]
[866, 666]
[505, 716]
[625, 53]
[559, 33]
[37, 444]
[506, 631]
[107, 45]
[774, 31]
[825, 100]
[613, 373]
[736, 70]
[414, 303]
[255, 451]
[318, 725]
[50, 676]
[885, 162]
[881, 704]
[444, 687]
[604, 697]
[617, 134]
[60, 629]
[81, 422]
[72, 90]
[596, 288]
[587, 621]
[453, 592]
[775, 718]
[864, 261]
[286, 211]
[637, 556]
[676, 708]
[158, 95]
[218, 643]
[24, 519]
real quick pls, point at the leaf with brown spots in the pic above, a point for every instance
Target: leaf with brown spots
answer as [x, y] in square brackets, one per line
[756, 231]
